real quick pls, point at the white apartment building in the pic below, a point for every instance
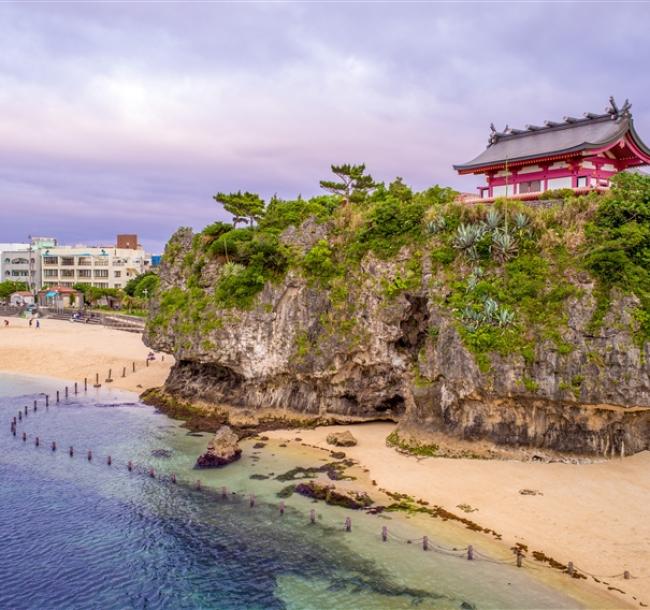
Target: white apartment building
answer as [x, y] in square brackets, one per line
[101, 267]
[21, 262]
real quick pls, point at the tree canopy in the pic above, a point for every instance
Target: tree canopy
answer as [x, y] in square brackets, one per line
[353, 185]
[8, 287]
[245, 207]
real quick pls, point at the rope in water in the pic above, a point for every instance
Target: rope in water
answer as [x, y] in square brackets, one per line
[242, 494]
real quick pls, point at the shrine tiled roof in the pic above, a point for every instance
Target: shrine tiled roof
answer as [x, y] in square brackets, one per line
[556, 138]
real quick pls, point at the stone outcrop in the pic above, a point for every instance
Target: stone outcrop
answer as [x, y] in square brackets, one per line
[222, 450]
[402, 359]
[354, 500]
[341, 439]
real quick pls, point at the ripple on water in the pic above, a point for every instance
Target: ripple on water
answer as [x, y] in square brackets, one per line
[77, 535]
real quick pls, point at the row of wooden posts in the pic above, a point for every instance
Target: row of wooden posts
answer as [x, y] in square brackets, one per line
[571, 570]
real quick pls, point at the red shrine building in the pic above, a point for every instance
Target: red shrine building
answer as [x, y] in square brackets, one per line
[580, 154]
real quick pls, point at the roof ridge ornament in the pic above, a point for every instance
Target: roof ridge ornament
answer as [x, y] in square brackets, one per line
[495, 135]
[619, 113]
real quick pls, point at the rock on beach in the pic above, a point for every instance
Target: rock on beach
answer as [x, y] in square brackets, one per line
[222, 450]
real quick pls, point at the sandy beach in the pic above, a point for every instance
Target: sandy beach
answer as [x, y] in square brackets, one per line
[70, 352]
[595, 515]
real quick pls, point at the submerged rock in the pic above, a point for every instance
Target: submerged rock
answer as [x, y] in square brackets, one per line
[342, 439]
[347, 499]
[222, 450]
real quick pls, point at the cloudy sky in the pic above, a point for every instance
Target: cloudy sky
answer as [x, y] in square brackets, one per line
[128, 117]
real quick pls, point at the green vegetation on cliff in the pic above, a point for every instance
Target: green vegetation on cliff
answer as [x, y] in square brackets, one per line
[506, 273]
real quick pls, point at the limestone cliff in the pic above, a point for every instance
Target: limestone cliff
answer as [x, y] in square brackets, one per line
[381, 343]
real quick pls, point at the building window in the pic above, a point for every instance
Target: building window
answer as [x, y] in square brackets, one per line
[50, 260]
[101, 272]
[582, 181]
[118, 274]
[84, 261]
[100, 284]
[534, 186]
[19, 261]
[67, 261]
[84, 273]
[67, 272]
[101, 261]
[51, 273]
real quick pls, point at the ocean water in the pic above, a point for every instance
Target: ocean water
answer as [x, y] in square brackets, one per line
[76, 534]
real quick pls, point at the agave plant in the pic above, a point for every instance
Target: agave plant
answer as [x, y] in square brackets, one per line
[504, 245]
[471, 317]
[504, 316]
[521, 221]
[436, 225]
[231, 269]
[493, 219]
[490, 308]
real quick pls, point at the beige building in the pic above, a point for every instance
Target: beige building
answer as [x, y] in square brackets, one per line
[98, 266]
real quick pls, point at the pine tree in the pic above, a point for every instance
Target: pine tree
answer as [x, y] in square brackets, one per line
[354, 183]
[244, 207]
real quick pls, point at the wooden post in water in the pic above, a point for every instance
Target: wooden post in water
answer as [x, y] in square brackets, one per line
[97, 384]
[26, 409]
[109, 460]
[147, 362]
[71, 451]
[470, 553]
[90, 455]
[24, 437]
[85, 384]
[570, 569]
[129, 466]
[133, 366]
[57, 397]
[66, 392]
[37, 441]
[47, 400]
[123, 371]
[76, 388]
[35, 406]
[53, 445]
[109, 379]
[520, 558]
[425, 543]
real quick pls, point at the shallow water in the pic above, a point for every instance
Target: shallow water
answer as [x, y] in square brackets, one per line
[79, 534]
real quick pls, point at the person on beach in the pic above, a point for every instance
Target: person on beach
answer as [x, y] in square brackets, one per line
[6, 322]
[30, 322]
[38, 323]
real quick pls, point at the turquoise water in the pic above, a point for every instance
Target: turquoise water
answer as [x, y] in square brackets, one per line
[79, 534]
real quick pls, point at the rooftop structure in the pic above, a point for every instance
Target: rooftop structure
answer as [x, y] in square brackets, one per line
[577, 153]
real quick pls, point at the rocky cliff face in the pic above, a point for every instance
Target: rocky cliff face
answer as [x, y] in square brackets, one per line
[402, 356]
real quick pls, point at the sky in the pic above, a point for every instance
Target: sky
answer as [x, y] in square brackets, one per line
[128, 117]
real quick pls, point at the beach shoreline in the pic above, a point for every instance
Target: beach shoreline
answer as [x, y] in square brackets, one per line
[590, 514]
